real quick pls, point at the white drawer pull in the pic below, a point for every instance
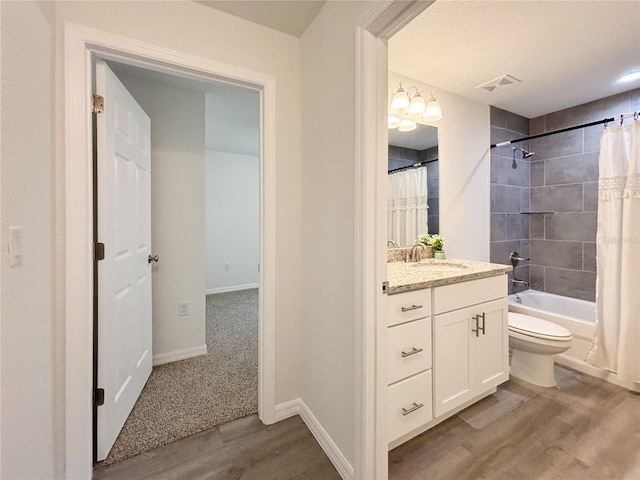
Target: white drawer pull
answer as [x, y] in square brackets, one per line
[415, 407]
[413, 351]
[412, 307]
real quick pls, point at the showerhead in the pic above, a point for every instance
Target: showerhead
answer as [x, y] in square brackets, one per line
[525, 154]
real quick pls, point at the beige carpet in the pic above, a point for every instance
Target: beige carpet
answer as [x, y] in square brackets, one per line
[189, 396]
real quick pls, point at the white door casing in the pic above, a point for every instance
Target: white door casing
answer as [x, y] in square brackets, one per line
[124, 276]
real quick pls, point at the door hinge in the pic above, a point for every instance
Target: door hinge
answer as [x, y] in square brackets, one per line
[385, 288]
[97, 104]
[98, 399]
[99, 251]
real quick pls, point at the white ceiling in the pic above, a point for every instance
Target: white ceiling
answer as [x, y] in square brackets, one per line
[565, 52]
[423, 137]
[288, 16]
[232, 113]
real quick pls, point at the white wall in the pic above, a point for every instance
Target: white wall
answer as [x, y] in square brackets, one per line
[464, 168]
[232, 221]
[328, 207]
[30, 408]
[177, 212]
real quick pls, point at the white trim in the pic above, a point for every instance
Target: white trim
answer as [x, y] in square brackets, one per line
[344, 468]
[381, 21]
[234, 288]
[584, 367]
[81, 43]
[162, 358]
[288, 409]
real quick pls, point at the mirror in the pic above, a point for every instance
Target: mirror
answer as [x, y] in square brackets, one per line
[408, 215]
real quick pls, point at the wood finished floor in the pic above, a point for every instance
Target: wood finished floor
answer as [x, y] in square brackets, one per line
[583, 429]
[241, 449]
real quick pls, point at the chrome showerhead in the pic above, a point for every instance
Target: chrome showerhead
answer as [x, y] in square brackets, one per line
[525, 154]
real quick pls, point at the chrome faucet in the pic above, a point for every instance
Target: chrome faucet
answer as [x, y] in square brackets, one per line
[515, 258]
[413, 255]
[391, 243]
[524, 283]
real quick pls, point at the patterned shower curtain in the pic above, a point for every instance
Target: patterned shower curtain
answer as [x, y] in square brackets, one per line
[407, 206]
[616, 345]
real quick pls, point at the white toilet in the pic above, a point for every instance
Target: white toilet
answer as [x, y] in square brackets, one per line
[533, 343]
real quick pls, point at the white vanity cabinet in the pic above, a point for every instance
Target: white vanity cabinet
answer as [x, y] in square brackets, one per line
[409, 360]
[447, 346]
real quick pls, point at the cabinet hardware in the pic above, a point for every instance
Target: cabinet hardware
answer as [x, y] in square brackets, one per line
[415, 407]
[412, 307]
[153, 258]
[478, 327]
[413, 351]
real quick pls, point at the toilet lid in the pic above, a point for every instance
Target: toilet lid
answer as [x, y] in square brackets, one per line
[537, 327]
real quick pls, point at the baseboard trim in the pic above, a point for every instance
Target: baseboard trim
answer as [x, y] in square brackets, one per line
[176, 355]
[287, 409]
[233, 288]
[583, 367]
[345, 469]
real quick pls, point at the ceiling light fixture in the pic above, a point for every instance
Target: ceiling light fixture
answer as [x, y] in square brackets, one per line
[630, 77]
[406, 109]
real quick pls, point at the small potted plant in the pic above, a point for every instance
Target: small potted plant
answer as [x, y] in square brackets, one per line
[436, 242]
[426, 241]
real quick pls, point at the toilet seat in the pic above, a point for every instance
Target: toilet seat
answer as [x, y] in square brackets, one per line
[537, 328]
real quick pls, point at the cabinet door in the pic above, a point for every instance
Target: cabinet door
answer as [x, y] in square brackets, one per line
[491, 356]
[453, 382]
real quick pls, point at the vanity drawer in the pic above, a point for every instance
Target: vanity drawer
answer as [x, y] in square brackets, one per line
[409, 403]
[408, 349]
[464, 294]
[404, 307]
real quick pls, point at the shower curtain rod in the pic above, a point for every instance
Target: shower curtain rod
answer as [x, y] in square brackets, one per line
[568, 129]
[408, 167]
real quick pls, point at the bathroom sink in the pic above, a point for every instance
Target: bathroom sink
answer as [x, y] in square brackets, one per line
[440, 266]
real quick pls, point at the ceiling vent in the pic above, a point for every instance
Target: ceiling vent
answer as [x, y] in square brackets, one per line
[499, 83]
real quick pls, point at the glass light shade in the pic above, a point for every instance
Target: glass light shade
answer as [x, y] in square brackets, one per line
[433, 112]
[417, 106]
[393, 122]
[400, 101]
[407, 125]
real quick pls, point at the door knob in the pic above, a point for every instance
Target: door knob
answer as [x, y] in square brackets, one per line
[153, 258]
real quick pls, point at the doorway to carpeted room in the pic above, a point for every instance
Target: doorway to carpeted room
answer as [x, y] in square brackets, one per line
[189, 396]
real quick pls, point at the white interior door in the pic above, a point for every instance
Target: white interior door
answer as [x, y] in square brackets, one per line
[124, 276]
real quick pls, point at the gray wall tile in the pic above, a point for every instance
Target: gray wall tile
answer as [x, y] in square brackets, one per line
[537, 125]
[536, 227]
[517, 227]
[590, 203]
[589, 112]
[573, 169]
[560, 145]
[537, 173]
[500, 251]
[635, 101]
[498, 169]
[505, 199]
[498, 117]
[589, 257]
[434, 223]
[592, 137]
[525, 204]
[402, 153]
[571, 226]
[536, 277]
[554, 253]
[571, 283]
[560, 198]
[518, 123]
[498, 227]
[519, 175]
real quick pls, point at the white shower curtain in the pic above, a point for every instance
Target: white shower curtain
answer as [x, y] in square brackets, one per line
[407, 208]
[616, 345]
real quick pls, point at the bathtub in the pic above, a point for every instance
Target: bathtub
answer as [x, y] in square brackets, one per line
[577, 316]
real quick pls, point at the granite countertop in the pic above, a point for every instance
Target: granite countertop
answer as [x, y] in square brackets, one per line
[405, 277]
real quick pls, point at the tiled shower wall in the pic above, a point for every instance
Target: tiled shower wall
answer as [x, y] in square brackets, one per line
[509, 192]
[563, 179]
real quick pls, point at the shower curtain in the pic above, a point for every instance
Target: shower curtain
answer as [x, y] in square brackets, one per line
[407, 206]
[616, 345]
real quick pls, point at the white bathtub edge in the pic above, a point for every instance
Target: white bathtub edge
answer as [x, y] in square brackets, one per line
[583, 367]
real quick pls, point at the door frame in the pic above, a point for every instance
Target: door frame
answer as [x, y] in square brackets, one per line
[81, 45]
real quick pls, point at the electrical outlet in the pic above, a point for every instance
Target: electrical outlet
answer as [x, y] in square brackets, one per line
[226, 267]
[184, 309]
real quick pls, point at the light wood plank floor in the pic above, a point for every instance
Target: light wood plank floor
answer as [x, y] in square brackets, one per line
[584, 429]
[241, 449]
